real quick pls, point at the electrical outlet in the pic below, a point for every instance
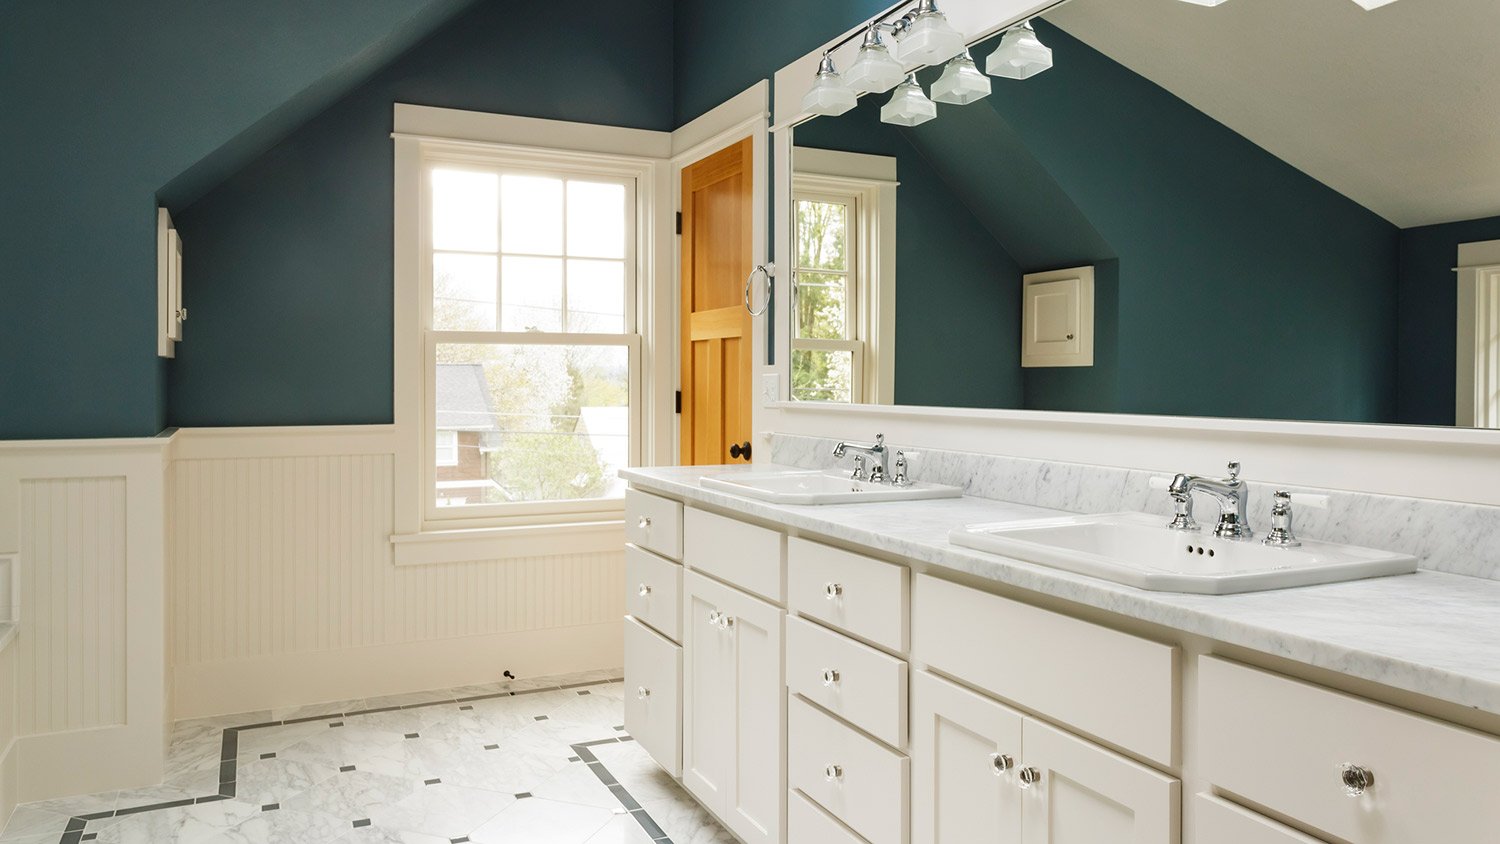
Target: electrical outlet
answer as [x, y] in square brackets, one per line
[770, 387]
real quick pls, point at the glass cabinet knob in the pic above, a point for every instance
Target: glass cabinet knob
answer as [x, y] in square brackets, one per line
[1356, 779]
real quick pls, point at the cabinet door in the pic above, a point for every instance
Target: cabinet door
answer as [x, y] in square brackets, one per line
[708, 738]
[653, 692]
[756, 806]
[964, 752]
[1081, 793]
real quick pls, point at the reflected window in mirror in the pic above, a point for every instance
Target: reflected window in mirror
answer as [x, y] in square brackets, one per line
[836, 222]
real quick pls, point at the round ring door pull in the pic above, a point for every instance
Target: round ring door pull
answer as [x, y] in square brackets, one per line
[833, 590]
[1000, 763]
[830, 676]
[1030, 777]
[833, 773]
[1355, 778]
[641, 692]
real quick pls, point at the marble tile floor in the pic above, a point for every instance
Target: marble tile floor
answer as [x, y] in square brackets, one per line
[543, 761]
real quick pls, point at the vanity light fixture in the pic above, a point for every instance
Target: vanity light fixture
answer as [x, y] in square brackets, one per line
[909, 105]
[1021, 55]
[830, 95]
[961, 82]
[1204, 2]
[1367, 5]
[874, 70]
[927, 37]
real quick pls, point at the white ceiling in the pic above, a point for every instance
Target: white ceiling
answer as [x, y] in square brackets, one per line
[1396, 108]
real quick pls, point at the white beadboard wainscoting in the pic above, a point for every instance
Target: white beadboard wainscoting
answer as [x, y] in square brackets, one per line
[284, 590]
[83, 703]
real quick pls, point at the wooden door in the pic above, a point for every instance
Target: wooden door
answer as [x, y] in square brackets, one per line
[1081, 793]
[965, 753]
[716, 327]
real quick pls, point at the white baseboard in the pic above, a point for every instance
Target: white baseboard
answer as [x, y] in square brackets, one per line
[89, 761]
[223, 688]
[10, 783]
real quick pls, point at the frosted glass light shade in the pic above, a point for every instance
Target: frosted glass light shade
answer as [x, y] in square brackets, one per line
[908, 106]
[830, 95]
[930, 39]
[1367, 5]
[1021, 55]
[961, 82]
[874, 70]
[1215, 2]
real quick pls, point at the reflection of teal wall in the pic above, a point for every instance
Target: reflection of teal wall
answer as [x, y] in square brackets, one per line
[105, 105]
[1246, 287]
[290, 259]
[958, 318]
[1428, 336]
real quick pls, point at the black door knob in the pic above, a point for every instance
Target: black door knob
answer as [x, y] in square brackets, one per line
[739, 450]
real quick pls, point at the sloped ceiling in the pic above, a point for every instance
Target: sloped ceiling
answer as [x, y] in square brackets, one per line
[1395, 108]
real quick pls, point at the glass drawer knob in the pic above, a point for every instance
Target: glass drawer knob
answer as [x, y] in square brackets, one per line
[643, 522]
[641, 692]
[833, 590]
[830, 676]
[833, 773]
[643, 590]
[1030, 777]
[1000, 763]
[1356, 779]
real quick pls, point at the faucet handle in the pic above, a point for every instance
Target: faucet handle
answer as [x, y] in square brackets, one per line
[879, 440]
[1234, 470]
[1281, 535]
[901, 478]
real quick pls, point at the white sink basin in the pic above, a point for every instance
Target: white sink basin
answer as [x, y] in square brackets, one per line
[817, 487]
[1137, 549]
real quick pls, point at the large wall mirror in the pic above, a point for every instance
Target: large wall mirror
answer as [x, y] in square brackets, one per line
[1281, 209]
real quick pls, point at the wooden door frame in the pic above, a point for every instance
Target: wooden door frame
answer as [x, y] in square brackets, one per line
[744, 115]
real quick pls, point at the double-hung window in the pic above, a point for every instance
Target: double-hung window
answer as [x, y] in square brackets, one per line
[828, 355]
[532, 384]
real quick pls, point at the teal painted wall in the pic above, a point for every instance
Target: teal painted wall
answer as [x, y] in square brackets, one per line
[1428, 305]
[290, 259]
[106, 104]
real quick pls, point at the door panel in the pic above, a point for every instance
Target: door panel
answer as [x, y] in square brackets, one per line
[756, 805]
[962, 789]
[716, 328]
[707, 695]
[1087, 794]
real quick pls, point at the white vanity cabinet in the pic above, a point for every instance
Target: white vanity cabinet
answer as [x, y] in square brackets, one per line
[733, 724]
[983, 772]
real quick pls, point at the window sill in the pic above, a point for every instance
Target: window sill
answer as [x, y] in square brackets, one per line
[432, 547]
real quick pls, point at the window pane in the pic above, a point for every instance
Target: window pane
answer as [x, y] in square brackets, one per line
[822, 235]
[464, 207]
[553, 422]
[596, 296]
[822, 375]
[822, 306]
[531, 294]
[463, 292]
[596, 220]
[531, 219]
[447, 449]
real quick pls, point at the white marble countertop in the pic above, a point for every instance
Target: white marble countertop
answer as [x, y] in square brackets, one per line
[1431, 633]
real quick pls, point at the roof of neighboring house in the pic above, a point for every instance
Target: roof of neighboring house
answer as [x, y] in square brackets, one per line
[463, 398]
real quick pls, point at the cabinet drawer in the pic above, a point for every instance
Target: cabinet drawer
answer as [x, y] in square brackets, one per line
[857, 780]
[856, 682]
[863, 596]
[1284, 744]
[1222, 822]
[653, 694]
[807, 824]
[746, 555]
[652, 589]
[1116, 687]
[654, 523]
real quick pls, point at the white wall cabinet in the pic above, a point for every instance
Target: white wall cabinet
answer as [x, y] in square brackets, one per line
[734, 721]
[1057, 318]
[984, 772]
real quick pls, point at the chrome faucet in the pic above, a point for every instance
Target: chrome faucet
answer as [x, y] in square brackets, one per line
[1231, 493]
[877, 455]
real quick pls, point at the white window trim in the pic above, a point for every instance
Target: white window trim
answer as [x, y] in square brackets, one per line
[547, 530]
[1478, 376]
[870, 181]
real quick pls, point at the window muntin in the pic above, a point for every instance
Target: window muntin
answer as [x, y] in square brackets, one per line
[532, 335]
[827, 353]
